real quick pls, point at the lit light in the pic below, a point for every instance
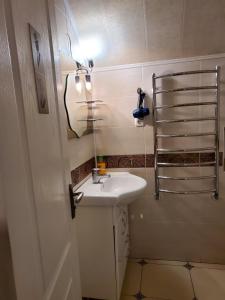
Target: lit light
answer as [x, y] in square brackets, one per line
[88, 48]
[88, 82]
[88, 86]
[91, 47]
[78, 83]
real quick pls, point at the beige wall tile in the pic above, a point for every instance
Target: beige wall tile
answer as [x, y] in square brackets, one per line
[133, 31]
[110, 21]
[203, 21]
[166, 282]
[117, 140]
[149, 139]
[80, 150]
[141, 172]
[116, 112]
[164, 28]
[159, 241]
[116, 83]
[126, 25]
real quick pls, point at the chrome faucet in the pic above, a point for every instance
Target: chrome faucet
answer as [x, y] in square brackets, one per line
[96, 177]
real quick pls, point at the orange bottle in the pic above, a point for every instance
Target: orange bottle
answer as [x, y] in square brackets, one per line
[101, 165]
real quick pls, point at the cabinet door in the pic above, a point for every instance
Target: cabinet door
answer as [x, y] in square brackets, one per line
[122, 246]
[96, 252]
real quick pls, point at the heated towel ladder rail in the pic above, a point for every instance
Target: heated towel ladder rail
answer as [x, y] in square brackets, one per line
[215, 133]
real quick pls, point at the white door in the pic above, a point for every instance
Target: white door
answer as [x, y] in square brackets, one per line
[32, 155]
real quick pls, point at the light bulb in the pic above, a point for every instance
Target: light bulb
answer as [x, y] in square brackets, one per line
[88, 82]
[79, 87]
[88, 86]
[78, 83]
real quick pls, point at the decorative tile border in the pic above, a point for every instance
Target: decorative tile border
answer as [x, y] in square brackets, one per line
[78, 174]
[140, 161]
[125, 161]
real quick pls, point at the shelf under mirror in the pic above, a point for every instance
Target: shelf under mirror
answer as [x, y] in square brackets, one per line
[89, 120]
[90, 101]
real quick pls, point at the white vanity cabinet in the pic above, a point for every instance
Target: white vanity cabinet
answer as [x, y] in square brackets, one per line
[103, 239]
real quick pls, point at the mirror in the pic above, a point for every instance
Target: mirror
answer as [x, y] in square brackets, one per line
[77, 102]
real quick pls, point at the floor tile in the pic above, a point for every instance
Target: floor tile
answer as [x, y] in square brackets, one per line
[166, 282]
[166, 262]
[208, 266]
[133, 298]
[209, 284]
[127, 298]
[157, 299]
[132, 281]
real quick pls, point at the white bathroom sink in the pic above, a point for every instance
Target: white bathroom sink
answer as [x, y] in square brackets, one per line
[120, 189]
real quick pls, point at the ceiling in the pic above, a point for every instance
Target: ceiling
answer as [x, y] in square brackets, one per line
[132, 31]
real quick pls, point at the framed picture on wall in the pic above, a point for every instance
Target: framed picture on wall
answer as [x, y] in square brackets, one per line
[39, 72]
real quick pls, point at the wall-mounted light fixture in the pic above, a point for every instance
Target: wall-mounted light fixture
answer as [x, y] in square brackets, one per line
[83, 70]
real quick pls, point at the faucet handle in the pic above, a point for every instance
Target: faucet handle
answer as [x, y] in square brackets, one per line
[98, 171]
[95, 171]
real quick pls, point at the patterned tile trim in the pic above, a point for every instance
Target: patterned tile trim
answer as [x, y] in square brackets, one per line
[140, 161]
[125, 161]
[78, 174]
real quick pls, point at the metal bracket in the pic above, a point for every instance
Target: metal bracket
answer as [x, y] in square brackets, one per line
[75, 198]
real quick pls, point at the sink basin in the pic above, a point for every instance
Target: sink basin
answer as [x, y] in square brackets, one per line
[121, 188]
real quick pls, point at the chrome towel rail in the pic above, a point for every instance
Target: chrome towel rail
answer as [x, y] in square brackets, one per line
[188, 150]
[186, 104]
[187, 120]
[185, 135]
[188, 192]
[187, 178]
[214, 162]
[186, 73]
[185, 89]
[198, 164]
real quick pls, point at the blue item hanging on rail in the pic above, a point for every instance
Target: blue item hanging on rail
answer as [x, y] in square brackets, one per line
[140, 112]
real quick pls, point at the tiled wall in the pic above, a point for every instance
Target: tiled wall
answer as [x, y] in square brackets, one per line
[133, 31]
[175, 227]
[80, 149]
